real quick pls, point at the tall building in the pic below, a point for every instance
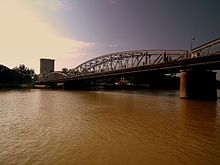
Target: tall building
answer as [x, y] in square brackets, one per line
[46, 66]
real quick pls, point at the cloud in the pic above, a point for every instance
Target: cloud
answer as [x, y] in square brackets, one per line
[114, 2]
[24, 37]
[52, 5]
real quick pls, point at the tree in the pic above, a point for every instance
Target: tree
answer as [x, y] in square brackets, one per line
[64, 70]
[6, 75]
[17, 75]
[24, 74]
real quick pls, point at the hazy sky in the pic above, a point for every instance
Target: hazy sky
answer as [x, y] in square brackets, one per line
[73, 31]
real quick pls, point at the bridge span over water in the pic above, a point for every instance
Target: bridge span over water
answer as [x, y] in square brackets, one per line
[197, 63]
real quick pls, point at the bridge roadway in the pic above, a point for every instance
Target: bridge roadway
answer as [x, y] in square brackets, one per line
[210, 62]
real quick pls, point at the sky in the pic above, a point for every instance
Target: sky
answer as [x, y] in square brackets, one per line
[74, 31]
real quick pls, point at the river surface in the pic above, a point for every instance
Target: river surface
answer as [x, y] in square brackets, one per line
[107, 127]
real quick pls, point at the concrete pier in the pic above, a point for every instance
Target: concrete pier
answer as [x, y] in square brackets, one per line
[199, 85]
[77, 85]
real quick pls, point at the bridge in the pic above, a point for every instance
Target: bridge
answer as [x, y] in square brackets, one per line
[194, 67]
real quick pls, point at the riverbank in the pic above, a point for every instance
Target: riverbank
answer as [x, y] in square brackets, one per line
[41, 87]
[96, 87]
[16, 86]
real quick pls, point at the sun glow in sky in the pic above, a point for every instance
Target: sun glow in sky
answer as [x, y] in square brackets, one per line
[73, 31]
[25, 37]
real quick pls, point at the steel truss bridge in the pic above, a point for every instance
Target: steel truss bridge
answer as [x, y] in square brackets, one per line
[206, 57]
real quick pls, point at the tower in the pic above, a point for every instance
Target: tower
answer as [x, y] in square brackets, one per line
[46, 65]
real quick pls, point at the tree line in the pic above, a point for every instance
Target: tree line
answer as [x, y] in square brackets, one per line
[17, 75]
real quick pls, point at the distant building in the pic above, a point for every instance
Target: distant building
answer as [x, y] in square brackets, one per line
[46, 66]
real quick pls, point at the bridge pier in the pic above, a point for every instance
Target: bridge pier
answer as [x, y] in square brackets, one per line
[76, 85]
[55, 85]
[196, 84]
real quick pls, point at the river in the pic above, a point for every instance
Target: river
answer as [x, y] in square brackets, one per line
[107, 127]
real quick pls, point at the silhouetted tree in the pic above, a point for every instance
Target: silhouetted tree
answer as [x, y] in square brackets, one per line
[64, 70]
[6, 75]
[24, 74]
[13, 77]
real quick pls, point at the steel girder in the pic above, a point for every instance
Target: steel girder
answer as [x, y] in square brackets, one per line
[210, 48]
[127, 59]
[54, 76]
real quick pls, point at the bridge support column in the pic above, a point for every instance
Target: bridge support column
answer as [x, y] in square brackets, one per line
[76, 85]
[51, 85]
[71, 85]
[198, 85]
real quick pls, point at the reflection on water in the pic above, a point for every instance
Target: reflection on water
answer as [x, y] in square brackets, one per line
[199, 120]
[199, 115]
[114, 127]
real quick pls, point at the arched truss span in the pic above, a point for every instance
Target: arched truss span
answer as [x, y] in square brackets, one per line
[210, 48]
[54, 76]
[127, 59]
